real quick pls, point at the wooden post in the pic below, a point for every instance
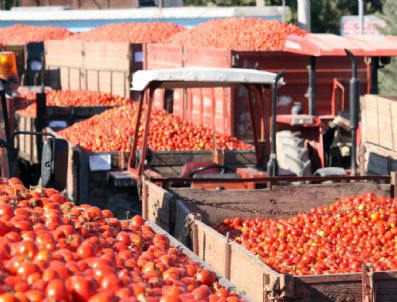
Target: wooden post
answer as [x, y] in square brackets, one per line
[145, 196]
[368, 291]
[393, 182]
[227, 256]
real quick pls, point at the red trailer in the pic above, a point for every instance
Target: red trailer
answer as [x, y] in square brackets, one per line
[222, 109]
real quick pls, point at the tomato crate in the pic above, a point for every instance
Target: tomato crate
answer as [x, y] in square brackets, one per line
[221, 279]
[222, 109]
[97, 66]
[57, 119]
[88, 172]
[189, 214]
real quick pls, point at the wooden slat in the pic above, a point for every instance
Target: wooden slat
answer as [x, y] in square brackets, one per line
[385, 123]
[248, 272]
[221, 279]
[211, 248]
[113, 56]
[371, 118]
[64, 53]
[158, 206]
[278, 199]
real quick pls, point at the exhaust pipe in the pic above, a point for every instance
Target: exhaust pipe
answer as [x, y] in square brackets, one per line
[272, 166]
[354, 109]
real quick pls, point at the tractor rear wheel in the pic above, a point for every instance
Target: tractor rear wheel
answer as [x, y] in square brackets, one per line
[292, 155]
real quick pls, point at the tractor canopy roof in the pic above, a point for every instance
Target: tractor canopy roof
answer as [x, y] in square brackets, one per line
[333, 45]
[200, 78]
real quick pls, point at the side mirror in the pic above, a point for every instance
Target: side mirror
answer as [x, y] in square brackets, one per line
[54, 165]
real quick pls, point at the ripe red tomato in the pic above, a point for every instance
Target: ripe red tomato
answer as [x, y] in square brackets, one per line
[338, 238]
[67, 258]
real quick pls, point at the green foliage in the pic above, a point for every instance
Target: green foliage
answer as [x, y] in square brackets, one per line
[7, 4]
[220, 2]
[388, 75]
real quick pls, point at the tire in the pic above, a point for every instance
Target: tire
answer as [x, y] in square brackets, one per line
[292, 155]
[124, 205]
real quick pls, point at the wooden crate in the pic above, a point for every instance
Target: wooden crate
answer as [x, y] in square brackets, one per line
[27, 144]
[98, 66]
[190, 223]
[221, 279]
[379, 121]
[376, 160]
[87, 185]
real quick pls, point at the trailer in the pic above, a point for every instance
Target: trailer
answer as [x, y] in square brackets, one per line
[89, 174]
[223, 110]
[97, 66]
[190, 213]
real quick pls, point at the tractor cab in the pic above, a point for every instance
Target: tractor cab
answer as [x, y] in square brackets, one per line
[54, 150]
[193, 165]
[324, 141]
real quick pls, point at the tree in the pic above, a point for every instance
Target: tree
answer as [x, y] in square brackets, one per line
[7, 4]
[388, 75]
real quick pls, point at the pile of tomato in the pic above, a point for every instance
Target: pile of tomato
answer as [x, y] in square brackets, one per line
[75, 98]
[238, 34]
[334, 239]
[112, 131]
[51, 250]
[152, 32]
[23, 34]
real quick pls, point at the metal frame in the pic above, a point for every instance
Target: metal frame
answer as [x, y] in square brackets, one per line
[137, 169]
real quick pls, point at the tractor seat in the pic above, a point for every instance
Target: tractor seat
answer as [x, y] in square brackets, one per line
[188, 168]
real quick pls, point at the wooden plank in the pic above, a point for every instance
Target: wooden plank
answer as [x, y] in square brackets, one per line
[179, 158]
[64, 53]
[385, 286]
[221, 279]
[371, 148]
[255, 278]
[371, 118]
[92, 80]
[75, 79]
[346, 287]
[157, 205]
[324, 290]
[211, 247]
[105, 81]
[115, 56]
[275, 202]
[83, 172]
[121, 83]
[385, 123]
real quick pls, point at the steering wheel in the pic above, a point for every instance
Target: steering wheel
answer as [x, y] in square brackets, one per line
[223, 169]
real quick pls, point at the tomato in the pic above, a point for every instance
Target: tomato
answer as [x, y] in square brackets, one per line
[151, 32]
[82, 288]
[238, 34]
[338, 238]
[112, 130]
[206, 276]
[137, 221]
[7, 297]
[67, 258]
[23, 34]
[56, 289]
